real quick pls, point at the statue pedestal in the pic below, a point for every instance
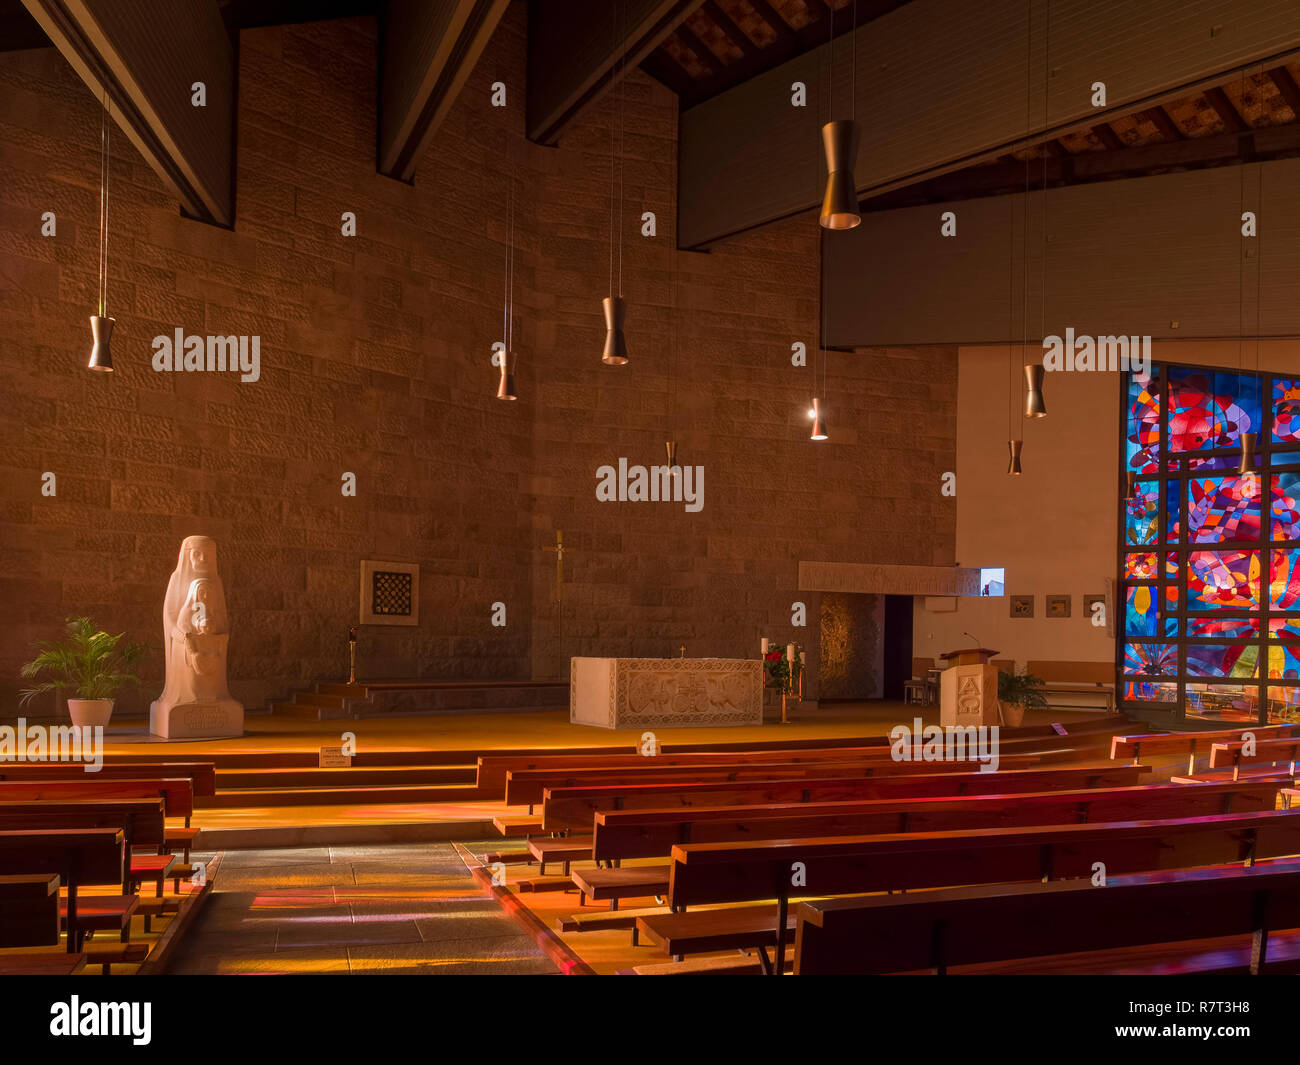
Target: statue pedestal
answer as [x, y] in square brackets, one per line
[219, 719]
[968, 689]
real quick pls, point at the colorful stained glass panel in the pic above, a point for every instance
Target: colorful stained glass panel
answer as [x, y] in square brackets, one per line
[1141, 567]
[1286, 410]
[1151, 691]
[1222, 660]
[1140, 610]
[1285, 506]
[1223, 580]
[1284, 580]
[1142, 514]
[1221, 509]
[1143, 422]
[1151, 659]
[1283, 661]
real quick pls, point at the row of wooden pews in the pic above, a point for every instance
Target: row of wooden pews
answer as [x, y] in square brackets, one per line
[63, 830]
[731, 844]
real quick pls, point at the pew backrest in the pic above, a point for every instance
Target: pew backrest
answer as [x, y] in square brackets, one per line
[569, 809]
[93, 855]
[202, 774]
[623, 835]
[965, 926]
[143, 821]
[742, 872]
[177, 794]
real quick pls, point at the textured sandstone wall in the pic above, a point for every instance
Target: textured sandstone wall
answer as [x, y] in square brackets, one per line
[374, 355]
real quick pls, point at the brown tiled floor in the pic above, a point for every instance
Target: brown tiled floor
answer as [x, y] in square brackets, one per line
[384, 909]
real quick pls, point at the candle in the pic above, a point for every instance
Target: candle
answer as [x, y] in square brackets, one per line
[352, 634]
[789, 652]
[803, 657]
[766, 645]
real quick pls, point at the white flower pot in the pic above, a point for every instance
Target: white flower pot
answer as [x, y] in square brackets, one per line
[90, 712]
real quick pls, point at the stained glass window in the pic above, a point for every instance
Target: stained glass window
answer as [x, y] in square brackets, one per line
[1209, 559]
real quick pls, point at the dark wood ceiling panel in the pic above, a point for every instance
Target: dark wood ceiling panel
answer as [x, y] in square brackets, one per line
[143, 56]
[578, 49]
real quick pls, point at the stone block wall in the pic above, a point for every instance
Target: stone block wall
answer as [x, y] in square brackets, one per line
[375, 361]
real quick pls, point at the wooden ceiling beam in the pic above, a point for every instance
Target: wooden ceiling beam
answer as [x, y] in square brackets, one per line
[1108, 137]
[702, 51]
[143, 57]
[1286, 86]
[1160, 118]
[427, 50]
[579, 49]
[727, 25]
[1232, 120]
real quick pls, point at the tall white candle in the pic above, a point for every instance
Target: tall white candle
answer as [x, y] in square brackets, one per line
[766, 645]
[789, 652]
[803, 657]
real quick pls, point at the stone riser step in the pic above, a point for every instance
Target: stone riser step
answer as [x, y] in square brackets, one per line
[353, 776]
[346, 795]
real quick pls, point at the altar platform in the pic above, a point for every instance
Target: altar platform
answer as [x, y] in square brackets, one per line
[413, 778]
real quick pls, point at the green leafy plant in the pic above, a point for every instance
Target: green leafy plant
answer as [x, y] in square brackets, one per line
[1022, 689]
[87, 662]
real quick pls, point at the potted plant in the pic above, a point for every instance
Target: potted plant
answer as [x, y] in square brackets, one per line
[91, 665]
[1018, 692]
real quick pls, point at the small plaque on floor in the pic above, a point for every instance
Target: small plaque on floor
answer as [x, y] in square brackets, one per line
[334, 758]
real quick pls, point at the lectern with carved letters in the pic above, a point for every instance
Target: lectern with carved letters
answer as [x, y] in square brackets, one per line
[968, 688]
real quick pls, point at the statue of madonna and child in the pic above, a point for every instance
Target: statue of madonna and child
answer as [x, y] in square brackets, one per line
[196, 702]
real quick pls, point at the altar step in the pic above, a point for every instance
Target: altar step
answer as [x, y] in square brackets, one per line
[351, 777]
[340, 794]
[342, 701]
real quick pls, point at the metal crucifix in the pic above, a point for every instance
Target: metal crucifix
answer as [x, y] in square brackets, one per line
[559, 592]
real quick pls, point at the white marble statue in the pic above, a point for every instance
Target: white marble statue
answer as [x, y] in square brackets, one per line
[196, 702]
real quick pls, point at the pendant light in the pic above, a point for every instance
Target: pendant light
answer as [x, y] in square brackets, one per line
[101, 327]
[671, 448]
[614, 306]
[1013, 467]
[506, 386]
[1034, 405]
[819, 421]
[840, 143]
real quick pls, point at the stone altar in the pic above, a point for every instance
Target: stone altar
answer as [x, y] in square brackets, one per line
[195, 702]
[665, 692]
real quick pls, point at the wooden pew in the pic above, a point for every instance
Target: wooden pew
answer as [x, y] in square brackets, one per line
[712, 873]
[29, 910]
[143, 823]
[177, 795]
[1191, 744]
[203, 775]
[1232, 753]
[940, 930]
[493, 769]
[528, 786]
[570, 809]
[79, 856]
[629, 834]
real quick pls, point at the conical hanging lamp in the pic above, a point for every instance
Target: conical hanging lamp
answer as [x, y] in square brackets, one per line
[614, 306]
[506, 386]
[671, 448]
[615, 352]
[1034, 405]
[1248, 465]
[840, 204]
[819, 422]
[840, 143]
[1013, 467]
[101, 327]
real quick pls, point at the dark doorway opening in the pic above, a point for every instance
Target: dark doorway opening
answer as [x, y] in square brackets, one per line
[898, 645]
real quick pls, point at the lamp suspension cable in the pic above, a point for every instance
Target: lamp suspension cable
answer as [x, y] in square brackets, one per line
[103, 204]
